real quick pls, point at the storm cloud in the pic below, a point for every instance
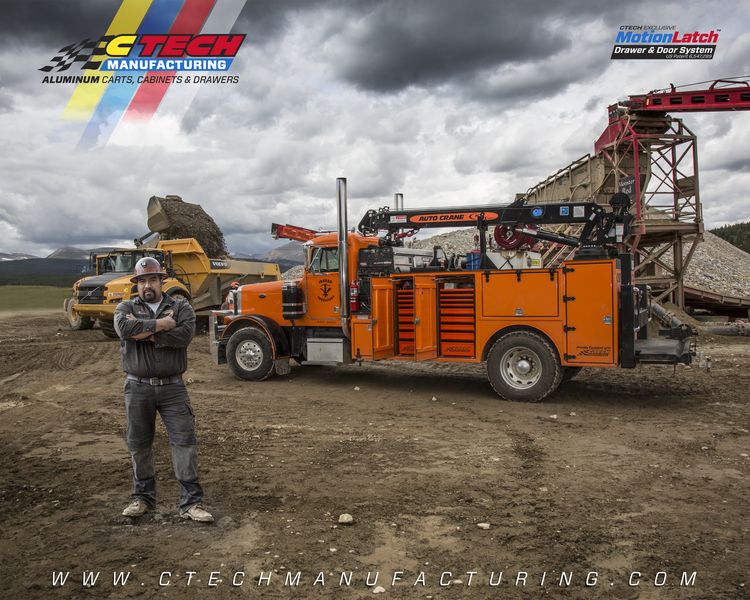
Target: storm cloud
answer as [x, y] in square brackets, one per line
[449, 103]
[55, 23]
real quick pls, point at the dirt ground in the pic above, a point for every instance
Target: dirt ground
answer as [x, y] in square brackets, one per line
[628, 474]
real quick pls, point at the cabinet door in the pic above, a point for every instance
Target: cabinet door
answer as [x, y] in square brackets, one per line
[591, 313]
[425, 318]
[382, 318]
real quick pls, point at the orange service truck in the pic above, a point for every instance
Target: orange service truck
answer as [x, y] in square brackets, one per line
[365, 297]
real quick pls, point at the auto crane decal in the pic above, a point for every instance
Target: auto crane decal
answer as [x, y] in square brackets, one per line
[458, 217]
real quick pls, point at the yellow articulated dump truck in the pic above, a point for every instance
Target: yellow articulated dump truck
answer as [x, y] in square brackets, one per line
[193, 274]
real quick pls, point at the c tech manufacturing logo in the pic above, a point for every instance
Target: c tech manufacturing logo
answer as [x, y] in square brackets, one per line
[664, 41]
[125, 74]
[138, 52]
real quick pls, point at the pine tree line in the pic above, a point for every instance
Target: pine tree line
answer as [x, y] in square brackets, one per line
[737, 235]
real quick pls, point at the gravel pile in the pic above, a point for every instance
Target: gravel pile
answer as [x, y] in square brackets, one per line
[293, 273]
[460, 241]
[719, 267]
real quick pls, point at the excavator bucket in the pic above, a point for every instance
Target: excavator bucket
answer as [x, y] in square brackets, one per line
[158, 221]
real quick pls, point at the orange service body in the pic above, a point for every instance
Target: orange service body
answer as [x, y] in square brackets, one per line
[451, 316]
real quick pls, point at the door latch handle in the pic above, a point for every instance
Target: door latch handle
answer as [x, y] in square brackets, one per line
[416, 321]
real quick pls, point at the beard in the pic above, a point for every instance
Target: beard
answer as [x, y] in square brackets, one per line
[149, 295]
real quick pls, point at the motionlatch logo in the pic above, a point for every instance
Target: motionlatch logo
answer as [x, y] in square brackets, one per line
[664, 42]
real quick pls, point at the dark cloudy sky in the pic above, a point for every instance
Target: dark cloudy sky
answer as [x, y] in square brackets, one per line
[448, 102]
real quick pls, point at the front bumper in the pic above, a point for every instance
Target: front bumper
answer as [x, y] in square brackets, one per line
[215, 329]
[96, 311]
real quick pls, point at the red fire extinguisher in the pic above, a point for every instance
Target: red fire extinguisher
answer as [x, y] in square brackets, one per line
[354, 296]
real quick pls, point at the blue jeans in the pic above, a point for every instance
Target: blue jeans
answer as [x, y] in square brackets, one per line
[142, 401]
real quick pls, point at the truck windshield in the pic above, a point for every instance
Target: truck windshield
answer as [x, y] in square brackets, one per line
[123, 263]
[324, 260]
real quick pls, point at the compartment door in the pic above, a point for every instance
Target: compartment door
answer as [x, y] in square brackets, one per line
[591, 313]
[425, 318]
[382, 318]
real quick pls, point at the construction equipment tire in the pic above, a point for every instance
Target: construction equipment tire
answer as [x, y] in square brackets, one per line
[76, 321]
[177, 294]
[250, 355]
[570, 373]
[108, 328]
[523, 366]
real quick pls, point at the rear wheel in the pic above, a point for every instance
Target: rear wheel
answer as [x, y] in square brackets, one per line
[523, 366]
[75, 320]
[108, 328]
[177, 294]
[250, 355]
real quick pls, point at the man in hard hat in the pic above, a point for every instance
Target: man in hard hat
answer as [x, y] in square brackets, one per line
[155, 331]
[229, 300]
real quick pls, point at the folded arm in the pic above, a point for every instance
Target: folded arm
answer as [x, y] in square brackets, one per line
[182, 333]
[129, 327]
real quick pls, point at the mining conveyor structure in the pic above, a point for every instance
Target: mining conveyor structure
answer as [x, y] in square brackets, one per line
[653, 157]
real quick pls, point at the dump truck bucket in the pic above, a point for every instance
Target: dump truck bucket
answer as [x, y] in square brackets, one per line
[158, 220]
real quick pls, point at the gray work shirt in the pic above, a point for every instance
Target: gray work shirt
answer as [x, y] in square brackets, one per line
[166, 353]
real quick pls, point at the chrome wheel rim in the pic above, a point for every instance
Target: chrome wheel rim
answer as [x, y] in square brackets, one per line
[249, 355]
[520, 368]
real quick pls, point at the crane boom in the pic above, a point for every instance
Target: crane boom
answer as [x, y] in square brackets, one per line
[601, 230]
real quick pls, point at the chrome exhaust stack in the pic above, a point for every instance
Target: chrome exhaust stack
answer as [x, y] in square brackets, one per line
[398, 201]
[342, 229]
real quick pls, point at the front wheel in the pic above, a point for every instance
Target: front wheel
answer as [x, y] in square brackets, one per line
[108, 328]
[523, 366]
[250, 355]
[76, 320]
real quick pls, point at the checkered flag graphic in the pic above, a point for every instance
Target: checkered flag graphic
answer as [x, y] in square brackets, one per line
[87, 51]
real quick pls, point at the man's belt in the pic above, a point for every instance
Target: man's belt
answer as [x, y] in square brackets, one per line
[156, 380]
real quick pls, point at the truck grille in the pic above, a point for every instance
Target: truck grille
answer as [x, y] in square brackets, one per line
[91, 295]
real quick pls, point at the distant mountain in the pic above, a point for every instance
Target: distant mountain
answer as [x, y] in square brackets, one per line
[75, 253]
[15, 256]
[737, 235]
[292, 251]
[284, 265]
[70, 253]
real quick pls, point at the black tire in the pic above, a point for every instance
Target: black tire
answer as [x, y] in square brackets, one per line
[177, 294]
[76, 321]
[511, 356]
[250, 355]
[570, 373]
[108, 328]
